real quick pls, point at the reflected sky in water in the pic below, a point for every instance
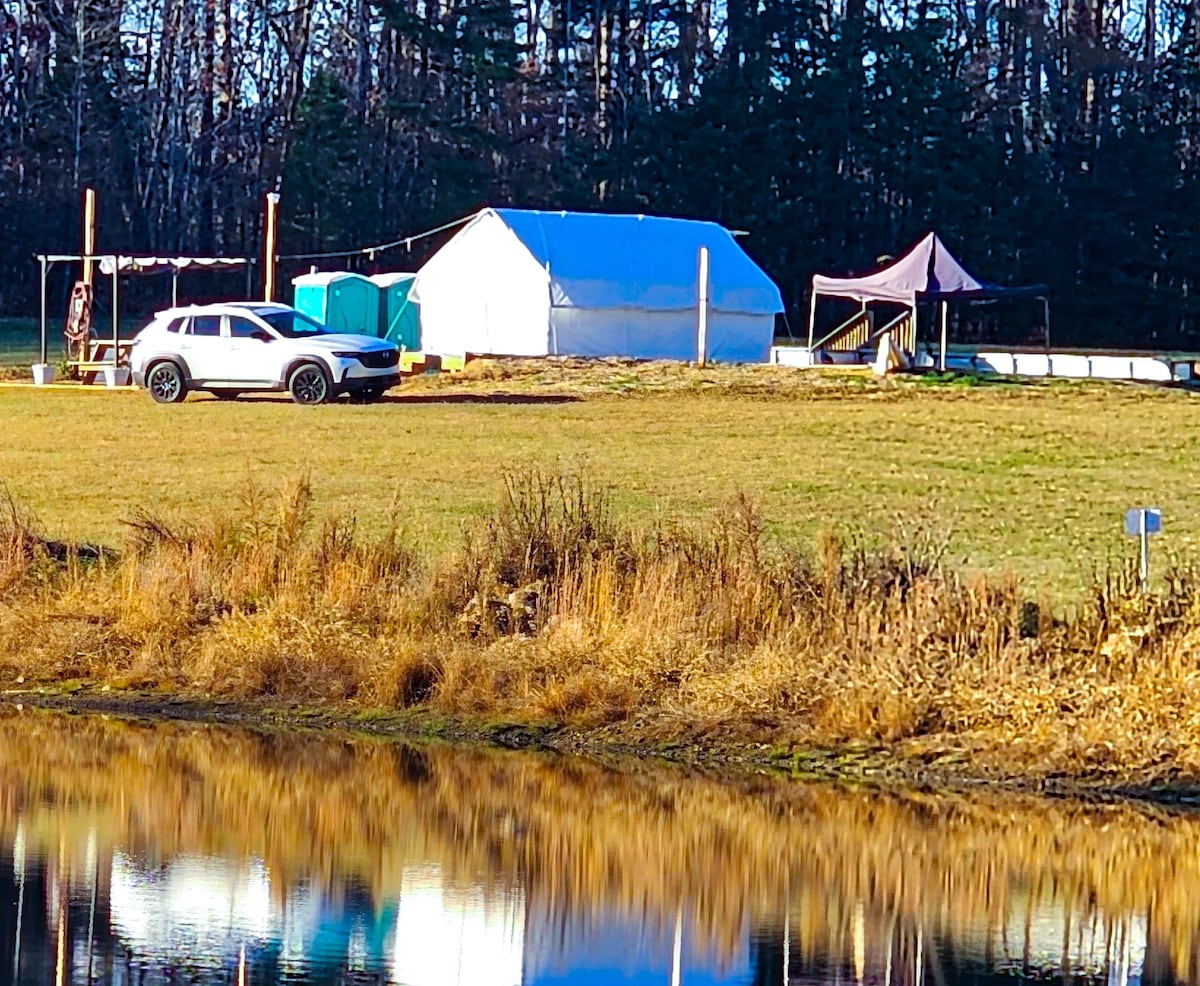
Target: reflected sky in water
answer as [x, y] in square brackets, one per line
[155, 853]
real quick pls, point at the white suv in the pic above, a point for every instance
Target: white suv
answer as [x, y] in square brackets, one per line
[242, 346]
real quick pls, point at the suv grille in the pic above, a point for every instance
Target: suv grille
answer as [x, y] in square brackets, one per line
[381, 360]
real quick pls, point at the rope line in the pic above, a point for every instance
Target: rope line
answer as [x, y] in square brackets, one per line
[370, 251]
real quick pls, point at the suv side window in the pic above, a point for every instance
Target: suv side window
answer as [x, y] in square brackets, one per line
[242, 328]
[206, 325]
[176, 324]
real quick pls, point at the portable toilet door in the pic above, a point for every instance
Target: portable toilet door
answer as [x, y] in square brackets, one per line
[343, 301]
[399, 315]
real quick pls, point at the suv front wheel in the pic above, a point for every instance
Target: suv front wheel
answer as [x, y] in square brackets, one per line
[310, 384]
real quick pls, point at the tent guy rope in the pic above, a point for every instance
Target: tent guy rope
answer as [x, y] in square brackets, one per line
[370, 251]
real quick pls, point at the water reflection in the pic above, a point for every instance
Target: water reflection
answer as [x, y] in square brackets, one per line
[136, 853]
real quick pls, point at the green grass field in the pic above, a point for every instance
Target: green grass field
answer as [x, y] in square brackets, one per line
[19, 342]
[1032, 478]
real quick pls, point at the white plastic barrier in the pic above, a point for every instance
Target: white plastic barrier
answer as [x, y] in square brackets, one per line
[791, 356]
[1149, 368]
[1112, 367]
[1070, 365]
[1031, 364]
[1075, 366]
[995, 363]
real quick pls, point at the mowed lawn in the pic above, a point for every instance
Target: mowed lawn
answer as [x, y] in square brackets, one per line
[1033, 478]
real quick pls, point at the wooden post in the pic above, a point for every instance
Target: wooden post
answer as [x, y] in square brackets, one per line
[702, 304]
[944, 318]
[89, 233]
[269, 245]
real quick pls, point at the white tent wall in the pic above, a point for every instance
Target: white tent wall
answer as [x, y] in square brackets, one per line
[528, 283]
[733, 337]
[484, 292]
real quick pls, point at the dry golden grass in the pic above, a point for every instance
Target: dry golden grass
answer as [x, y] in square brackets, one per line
[845, 866]
[1034, 478]
[554, 609]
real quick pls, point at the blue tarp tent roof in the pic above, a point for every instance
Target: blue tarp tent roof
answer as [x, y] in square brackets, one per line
[644, 262]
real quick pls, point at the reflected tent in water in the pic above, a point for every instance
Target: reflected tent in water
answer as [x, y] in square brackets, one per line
[167, 853]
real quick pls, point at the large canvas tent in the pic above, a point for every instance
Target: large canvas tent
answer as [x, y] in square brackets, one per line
[528, 283]
[927, 272]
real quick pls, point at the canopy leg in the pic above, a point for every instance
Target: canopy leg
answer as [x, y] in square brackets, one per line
[45, 341]
[812, 320]
[944, 318]
[116, 319]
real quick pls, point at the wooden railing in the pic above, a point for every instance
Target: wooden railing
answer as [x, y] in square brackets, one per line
[852, 334]
[903, 330]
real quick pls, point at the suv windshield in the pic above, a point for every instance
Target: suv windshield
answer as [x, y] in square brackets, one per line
[293, 325]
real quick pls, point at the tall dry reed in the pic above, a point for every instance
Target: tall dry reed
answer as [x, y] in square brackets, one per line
[555, 609]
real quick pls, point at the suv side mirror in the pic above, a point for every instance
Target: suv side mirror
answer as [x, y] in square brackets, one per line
[261, 335]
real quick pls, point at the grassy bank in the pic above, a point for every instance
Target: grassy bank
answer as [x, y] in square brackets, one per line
[554, 611]
[1029, 478]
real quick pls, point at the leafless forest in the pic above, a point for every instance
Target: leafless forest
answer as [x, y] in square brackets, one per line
[1048, 140]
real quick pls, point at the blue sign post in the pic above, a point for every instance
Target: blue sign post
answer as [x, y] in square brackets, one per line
[1141, 522]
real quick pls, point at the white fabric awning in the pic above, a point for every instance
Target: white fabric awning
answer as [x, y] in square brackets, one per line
[157, 265]
[927, 271]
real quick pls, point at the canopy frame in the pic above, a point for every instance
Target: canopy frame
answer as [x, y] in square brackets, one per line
[113, 265]
[937, 276]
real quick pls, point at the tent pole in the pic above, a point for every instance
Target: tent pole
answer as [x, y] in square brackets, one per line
[944, 317]
[45, 341]
[116, 320]
[174, 287]
[551, 327]
[1046, 320]
[702, 314]
[812, 319]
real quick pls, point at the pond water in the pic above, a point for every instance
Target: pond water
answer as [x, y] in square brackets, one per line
[133, 852]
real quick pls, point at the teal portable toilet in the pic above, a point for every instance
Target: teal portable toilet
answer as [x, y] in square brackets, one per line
[399, 315]
[343, 301]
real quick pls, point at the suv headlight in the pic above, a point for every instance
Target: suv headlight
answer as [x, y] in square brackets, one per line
[346, 355]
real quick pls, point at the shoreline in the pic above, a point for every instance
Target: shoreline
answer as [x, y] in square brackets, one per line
[883, 766]
[558, 625]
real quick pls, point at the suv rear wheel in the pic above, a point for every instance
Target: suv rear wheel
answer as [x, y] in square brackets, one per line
[165, 383]
[309, 384]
